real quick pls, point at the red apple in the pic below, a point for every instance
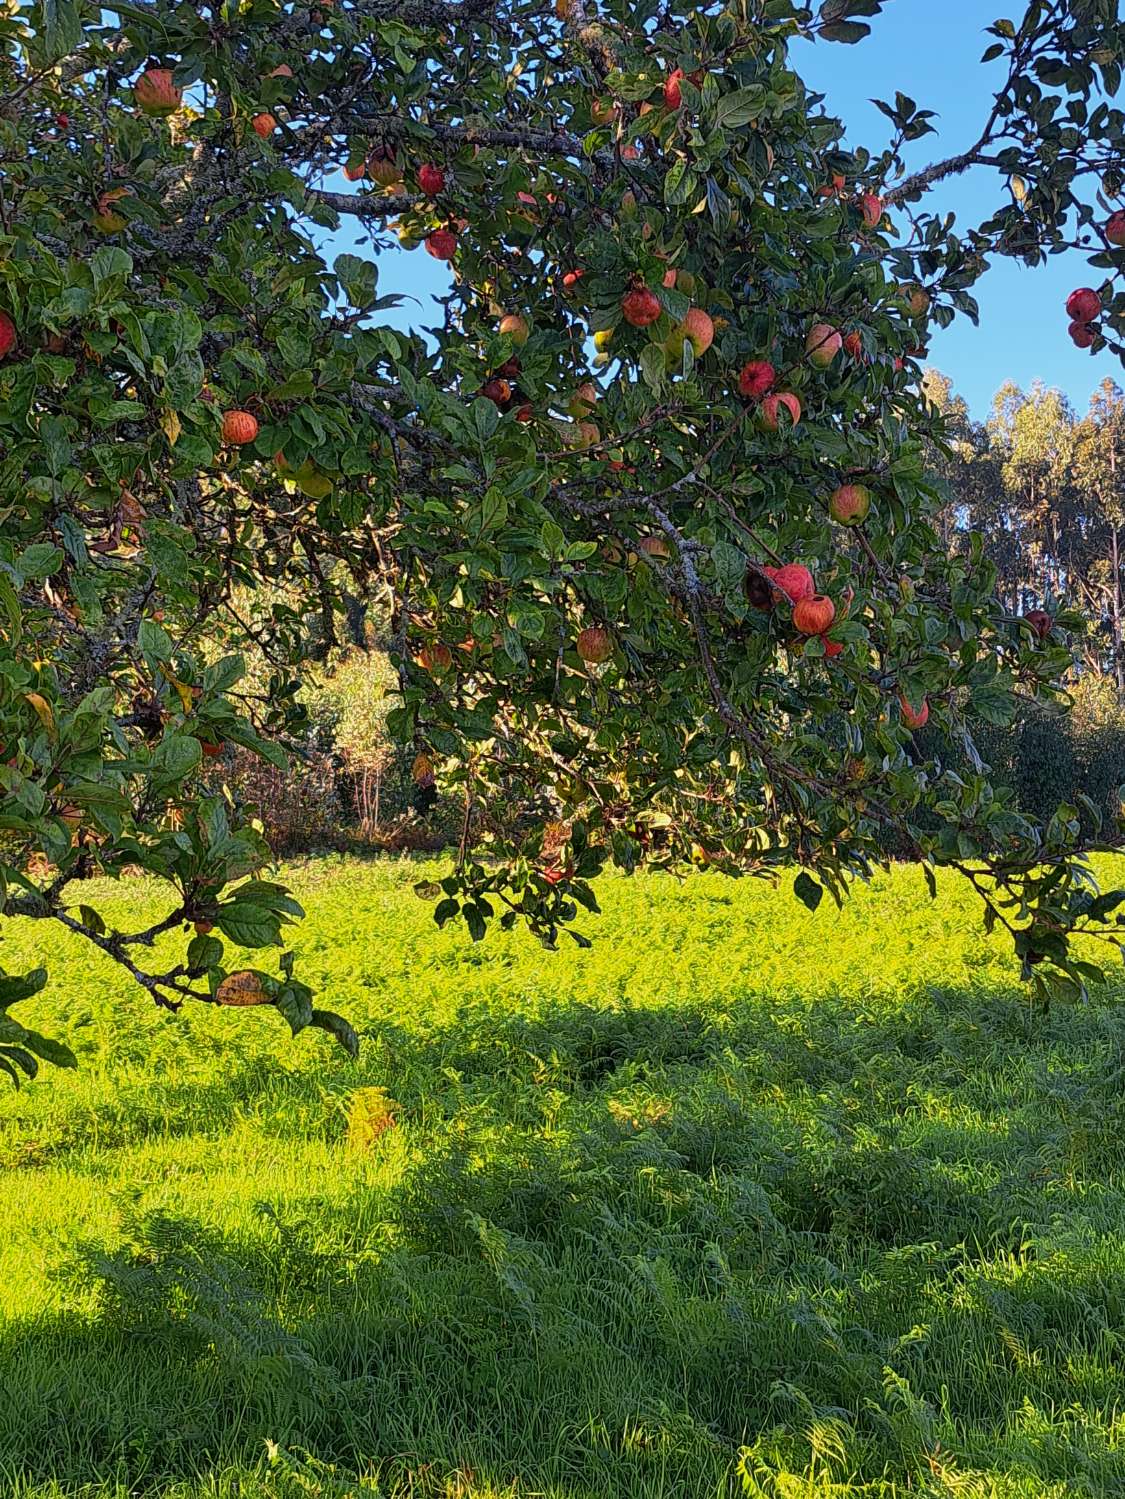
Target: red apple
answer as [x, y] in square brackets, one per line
[913, 718]
[1082, 334]
[594, 644]
[697, 328]
[1083, 305]
[673, 96]
[515, 326]
[431, 179]
[871, 207]
[1115, 228]
[772, 405]
[640, 307]
[794, 580]
[853, 345]
[442, 244]
[156, 93]
[831, 647]
[756, 379]
[263, 125]
[814, 615]
[7, 335]
[1040, 621]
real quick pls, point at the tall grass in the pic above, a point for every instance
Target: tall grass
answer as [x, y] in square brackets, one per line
[745, 1202]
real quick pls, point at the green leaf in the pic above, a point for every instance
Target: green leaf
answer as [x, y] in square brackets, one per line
[806, 889]
[337, 1027]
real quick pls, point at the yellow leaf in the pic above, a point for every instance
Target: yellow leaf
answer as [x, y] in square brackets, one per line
[1019, 188]
[170, 422]
[185, 692]
[243, 988]
[43, 709]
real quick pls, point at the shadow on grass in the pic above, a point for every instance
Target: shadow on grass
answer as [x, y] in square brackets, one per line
[629, 1245]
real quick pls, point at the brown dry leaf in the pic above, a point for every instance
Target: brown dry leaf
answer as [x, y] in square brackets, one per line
[243, 988]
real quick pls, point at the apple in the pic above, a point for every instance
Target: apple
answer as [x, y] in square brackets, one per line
[515, 326]
[156, 93]
[7, 335]
[594, 644]
[630, 153]
[353, 174]
[669, 280]
[382, 167]
[756, 379]
[571, 279]
[853, 345]
[768, 412]
[525, 413]
[912, 717]
[814, 615]
[849, 504]
[822, 344]
[917, 299]
[673, 96]
[583, 400]
[1040, 621]
[203, 927]
[435, 658]
[211, 749]
[795, 582]
[602, 111]
[239, 428]
[832, 189]
[263, 125]
[1115, 228]
[640, 307]
[1082, 334]
[283, 70]
[499, 392]
[442, 244]
[697, 328]
[431, 179]
[871, 207]
[831, 647]
[1083, 305]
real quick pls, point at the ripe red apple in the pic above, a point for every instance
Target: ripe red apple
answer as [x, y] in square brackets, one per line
[1115, 228]
[62, 121]
[822, 344]
[756, 379]
[1082, 334]
[853, 345]
[913, 718]
[1083, 305]
[773, 404]
[594, 644]
[499, 392]
[697, 328]
[1040, 621]
[833, 189]
[435, 658]
[640, 307]
[353, 174]
[814, 615]
[263, 124]
[831, 647]
[871, 207]
[156, 93]
[571, 279]
[7, 335]
[442, 244]
[525, 413]
[239, 428]
[431, 179]
[630, 153]
[794, 580]
[673, 96]
[515, 326]
[849, 504]
[211, 749]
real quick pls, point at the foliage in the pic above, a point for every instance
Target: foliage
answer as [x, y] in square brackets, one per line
[195, 405]
[745, 1186]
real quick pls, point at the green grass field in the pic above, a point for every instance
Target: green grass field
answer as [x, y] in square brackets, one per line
[745, 1201]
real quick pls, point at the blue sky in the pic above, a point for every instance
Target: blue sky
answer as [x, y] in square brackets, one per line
[930, 49]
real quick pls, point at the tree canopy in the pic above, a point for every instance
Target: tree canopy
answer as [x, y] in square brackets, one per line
[648, 515]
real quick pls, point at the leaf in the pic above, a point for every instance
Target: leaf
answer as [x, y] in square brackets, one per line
[170, 424]
[337, 1027]
[154, 641]
[60, 27]
[806, 889]
[740, 107]
[43, 711]
[249, 924]
[242, 988]
[486, 419]
[845, 31]
[295, 1003]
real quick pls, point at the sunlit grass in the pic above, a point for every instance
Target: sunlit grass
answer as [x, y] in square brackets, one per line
[744, 1201]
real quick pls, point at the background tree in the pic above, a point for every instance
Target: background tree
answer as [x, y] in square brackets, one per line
[690, 597]
[1099, 449]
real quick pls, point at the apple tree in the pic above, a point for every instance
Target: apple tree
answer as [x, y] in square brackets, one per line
[648, 509]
